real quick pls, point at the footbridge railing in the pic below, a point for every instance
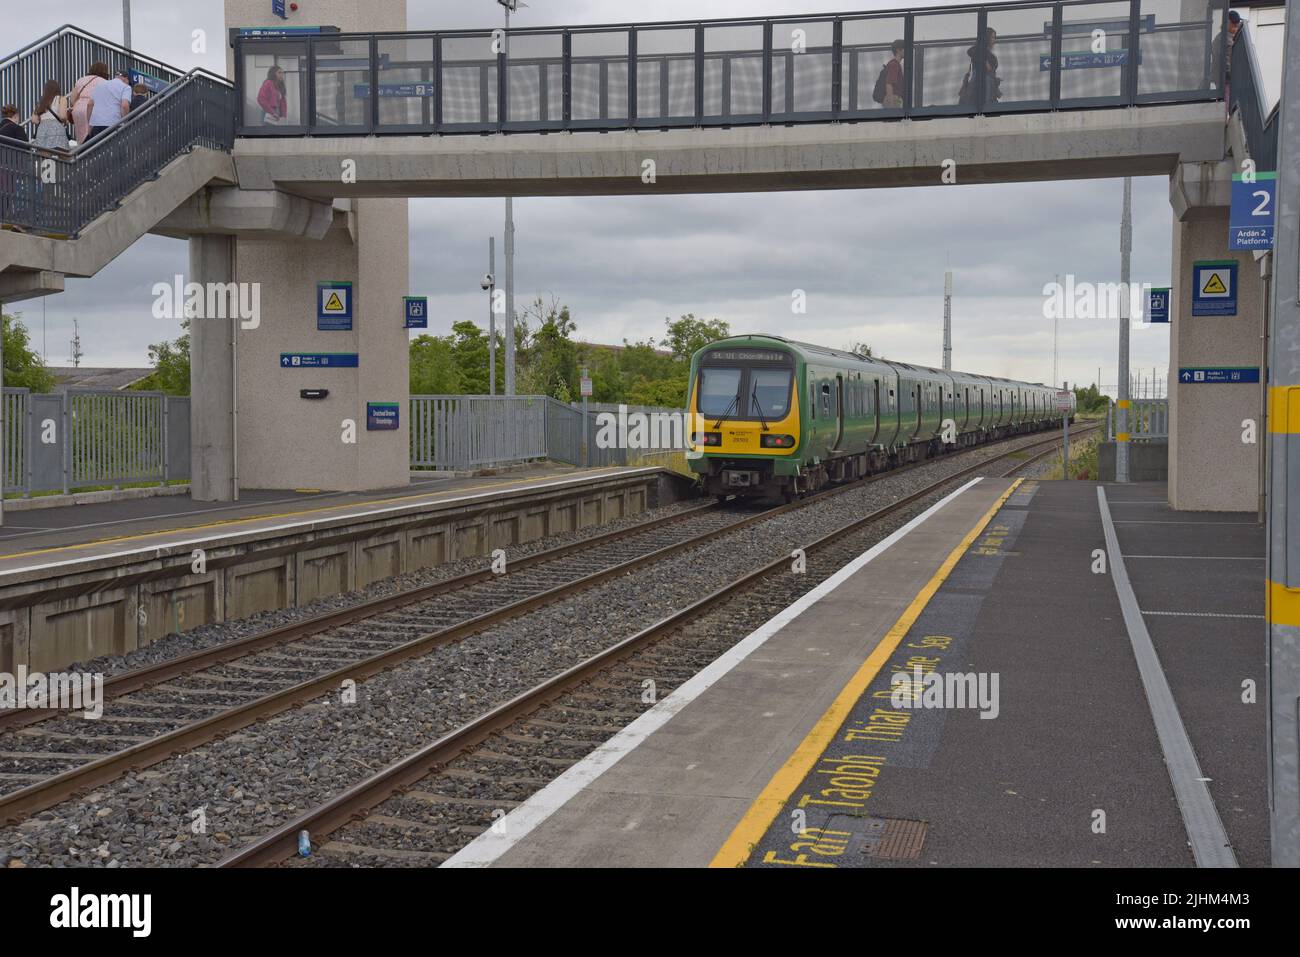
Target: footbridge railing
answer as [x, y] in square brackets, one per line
[1247, 99]
[59, 192]
[967, 60]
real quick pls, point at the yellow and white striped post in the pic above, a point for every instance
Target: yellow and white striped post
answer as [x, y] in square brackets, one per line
[1283, 568]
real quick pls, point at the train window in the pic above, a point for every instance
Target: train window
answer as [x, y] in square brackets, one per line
[826, 399]
[719, 391]
[812, 400]
[769, 393]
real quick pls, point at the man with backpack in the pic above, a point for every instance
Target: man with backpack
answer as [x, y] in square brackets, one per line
[889, 84]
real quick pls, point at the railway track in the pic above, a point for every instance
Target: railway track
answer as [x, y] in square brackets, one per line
[176, 705]
[420, 809]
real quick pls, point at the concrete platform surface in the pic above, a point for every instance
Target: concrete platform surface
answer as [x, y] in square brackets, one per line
[803, 750]
[93, 529]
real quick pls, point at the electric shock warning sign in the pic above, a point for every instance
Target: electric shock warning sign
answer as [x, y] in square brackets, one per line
[334, 306]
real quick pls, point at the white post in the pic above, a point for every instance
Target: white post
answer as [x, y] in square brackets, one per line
[1065, 430]
[492, 316]
[1121, 410]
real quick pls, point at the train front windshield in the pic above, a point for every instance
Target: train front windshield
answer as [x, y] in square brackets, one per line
[740, 392]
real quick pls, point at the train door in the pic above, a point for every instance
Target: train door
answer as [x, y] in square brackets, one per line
[874, 396]
[839, 412]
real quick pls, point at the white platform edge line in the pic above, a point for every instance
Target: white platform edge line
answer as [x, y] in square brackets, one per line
[519, 823]
[1205, 832]
[161, 551]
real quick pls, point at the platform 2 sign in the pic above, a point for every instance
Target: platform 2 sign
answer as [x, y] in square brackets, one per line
[1232, 375]
[417, 311]
[381, 416]
[1214, 287]
[1253, 216]
[334, 306]
[1158, 305]
[318, 360]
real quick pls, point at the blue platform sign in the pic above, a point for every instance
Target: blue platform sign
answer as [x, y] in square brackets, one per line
[334, 306]
[1254, 212]
[1086, 60]
[1214, 287]
[151, 83]
[277, 8]
[417, 312]
[318, 360]
[1158, 305]
[1229, 374]
[381, 416]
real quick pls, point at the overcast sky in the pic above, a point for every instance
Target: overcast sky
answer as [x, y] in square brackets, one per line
[871, 262]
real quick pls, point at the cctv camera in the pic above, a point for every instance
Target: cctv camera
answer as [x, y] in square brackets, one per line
[486, 281]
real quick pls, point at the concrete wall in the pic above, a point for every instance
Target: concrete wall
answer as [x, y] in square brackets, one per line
[285, 441]
[72, 611]
[1210, 467]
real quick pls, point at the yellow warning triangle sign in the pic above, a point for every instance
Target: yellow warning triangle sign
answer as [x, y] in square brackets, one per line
[1214, 286]
[334, 304]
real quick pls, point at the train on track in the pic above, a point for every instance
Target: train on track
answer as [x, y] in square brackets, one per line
[773, 418]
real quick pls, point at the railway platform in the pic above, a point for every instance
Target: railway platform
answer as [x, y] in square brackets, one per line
[1029, 673]
[85, 580]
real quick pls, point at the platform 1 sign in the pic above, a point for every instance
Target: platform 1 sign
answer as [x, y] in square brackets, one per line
[1229, 374]
[417, 312]
[381, 416]
[1214, 287]
[1158, 305]
[334, 306]
[318, 360]
[1253, 216]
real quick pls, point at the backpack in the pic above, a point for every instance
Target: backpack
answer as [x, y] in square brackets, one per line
[878, 92]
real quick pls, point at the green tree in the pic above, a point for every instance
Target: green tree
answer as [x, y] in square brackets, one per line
[550, 354]
[1090, 399]
[688, 335]
[433, 366]
[23, 368]
[171, 365]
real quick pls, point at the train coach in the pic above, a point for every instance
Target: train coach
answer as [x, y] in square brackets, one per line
[776, 418]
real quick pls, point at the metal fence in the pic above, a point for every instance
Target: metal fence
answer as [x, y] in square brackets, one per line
[465, 432]
[1148, 420]
[957, 60]
[1247, 98]
[60, 441]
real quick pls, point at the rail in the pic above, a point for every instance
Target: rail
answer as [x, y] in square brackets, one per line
[998, 58]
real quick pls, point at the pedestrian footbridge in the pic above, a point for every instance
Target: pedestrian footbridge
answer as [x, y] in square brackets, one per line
[361, 121]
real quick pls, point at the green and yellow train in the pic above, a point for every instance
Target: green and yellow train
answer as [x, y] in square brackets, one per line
[776, 418]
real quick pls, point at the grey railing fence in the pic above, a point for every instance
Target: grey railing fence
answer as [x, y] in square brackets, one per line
[61, 441]
[1148, 420]
[1246, 97]
[731, 72]
[465, 432]
[57, 192]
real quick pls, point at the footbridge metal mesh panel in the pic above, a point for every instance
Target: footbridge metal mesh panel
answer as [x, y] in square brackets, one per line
[968, 60]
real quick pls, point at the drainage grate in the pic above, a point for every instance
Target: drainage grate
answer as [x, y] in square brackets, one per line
[893, 839]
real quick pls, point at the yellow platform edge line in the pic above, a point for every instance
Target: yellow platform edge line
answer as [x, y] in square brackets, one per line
[736, 850]
[246, 520]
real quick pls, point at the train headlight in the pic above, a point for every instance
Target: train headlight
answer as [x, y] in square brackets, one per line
[706, 438]
[777, 441]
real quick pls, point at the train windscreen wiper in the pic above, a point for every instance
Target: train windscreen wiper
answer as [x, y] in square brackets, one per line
[758, 406]
[735, 399]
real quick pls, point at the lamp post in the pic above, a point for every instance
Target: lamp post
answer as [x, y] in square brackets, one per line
[488, 282]
[510, 6]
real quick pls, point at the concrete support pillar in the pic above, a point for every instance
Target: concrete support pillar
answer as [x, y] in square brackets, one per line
[1211, 468]
[212, 387]
[287, 441]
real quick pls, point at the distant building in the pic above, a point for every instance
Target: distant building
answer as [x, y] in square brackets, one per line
[82, 377]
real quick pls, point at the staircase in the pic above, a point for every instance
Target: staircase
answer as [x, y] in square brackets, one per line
[152, 161]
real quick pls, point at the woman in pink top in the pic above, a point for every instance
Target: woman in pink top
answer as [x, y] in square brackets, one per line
[79, 98]
[271, 97]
